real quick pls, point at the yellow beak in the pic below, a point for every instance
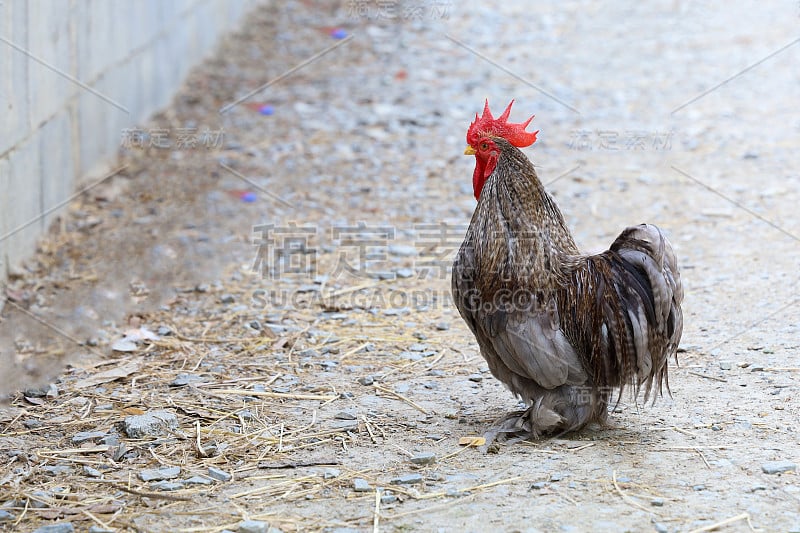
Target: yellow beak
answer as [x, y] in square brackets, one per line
[469, 150]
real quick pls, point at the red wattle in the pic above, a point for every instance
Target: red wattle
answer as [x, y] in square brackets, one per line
[477, 178]
[483, 169]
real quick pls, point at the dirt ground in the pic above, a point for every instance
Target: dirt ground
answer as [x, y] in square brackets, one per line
[272, 271]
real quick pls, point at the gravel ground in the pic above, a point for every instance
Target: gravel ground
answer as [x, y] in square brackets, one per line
[266, 337]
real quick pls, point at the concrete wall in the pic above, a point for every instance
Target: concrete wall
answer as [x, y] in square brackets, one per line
[73, 75]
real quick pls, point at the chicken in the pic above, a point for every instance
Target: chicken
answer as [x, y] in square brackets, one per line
[562, 330]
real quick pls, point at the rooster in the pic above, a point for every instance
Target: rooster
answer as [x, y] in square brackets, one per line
[561, 329]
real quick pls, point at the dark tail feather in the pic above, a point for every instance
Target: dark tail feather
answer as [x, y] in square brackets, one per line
[649, 293]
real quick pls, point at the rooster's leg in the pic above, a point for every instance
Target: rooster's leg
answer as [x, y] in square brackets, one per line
[510, 427]
[533, 423]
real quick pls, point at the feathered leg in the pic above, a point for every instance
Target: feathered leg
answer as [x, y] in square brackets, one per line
[559, 411]
[533, 423]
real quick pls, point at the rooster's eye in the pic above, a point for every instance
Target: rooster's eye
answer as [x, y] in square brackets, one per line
[484, 146]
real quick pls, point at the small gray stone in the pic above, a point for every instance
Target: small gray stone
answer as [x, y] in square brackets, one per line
[83, 436]
[345, 415]
[388, 498]
[167, 485]
[778, 467]
[61, 527]
[92, 472]
[158, 474]
[118, 452]
[539, 485]
[227, 299]
[402, 250]
[198, 480]
[219, 475]
[40, 499]
[366, 380]
[163, 331]
[345, 424]
[477, 378]
[657, 502]
[328, 365]
[361, 485]
[111, 440]
[408, 479]
[253, 526]
[5, 515]
[725, 365]
[417, 347]
[426, 458]
[698, 488]
[443, 326]
[331, 473]
[404, 273]
[35, 393]
[98, 529]
[660, 528]
[184, 379]
[123, 345]
[556, 476]
[150, 424]
[57, 470]
[52, 391]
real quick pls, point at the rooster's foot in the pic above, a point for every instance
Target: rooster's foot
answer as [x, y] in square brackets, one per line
[531, 424]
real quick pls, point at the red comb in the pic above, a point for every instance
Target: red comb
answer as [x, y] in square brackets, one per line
[500, 127]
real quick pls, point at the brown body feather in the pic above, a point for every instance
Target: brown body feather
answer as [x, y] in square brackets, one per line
[563, 330]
